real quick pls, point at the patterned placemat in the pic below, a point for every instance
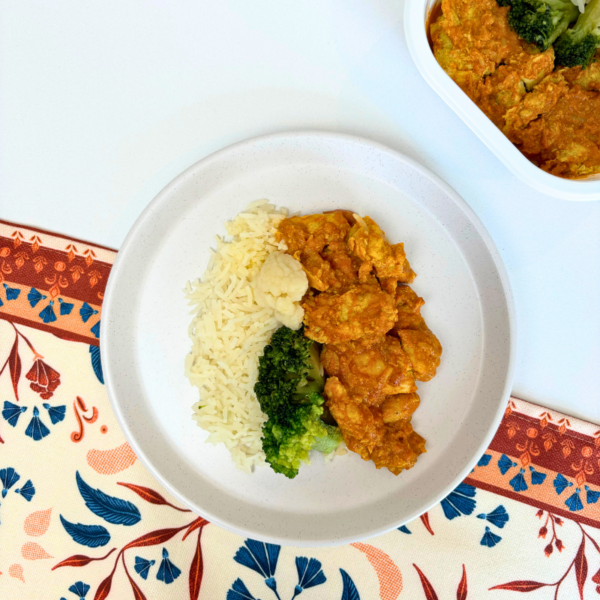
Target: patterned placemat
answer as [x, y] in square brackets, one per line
[81, 518]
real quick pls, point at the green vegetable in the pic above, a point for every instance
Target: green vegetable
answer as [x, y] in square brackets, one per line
[540, 22]
[577, 46]
[328, 443]
[289, 390]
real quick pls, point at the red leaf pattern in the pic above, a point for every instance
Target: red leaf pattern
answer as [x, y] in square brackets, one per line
[80, 560]
[520, 586]
[196, 570]
[581, 567]
[151, 496]
[14, 366]
[160, 536]
[427, 587]
[104, 588]
[425, 519]
[461, 592]
[199, 522]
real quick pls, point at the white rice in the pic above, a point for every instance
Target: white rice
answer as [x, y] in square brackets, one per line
[229, 332]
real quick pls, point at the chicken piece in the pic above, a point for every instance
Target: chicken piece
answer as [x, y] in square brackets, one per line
[370, 369]
[307, 236]
[424, 350]
[362, 426]
[588, 78]
[347, 214]
[319, 272]
[362, 311]
[509, 84]
[312, 232]
[394, 445]
[399, 449]
[344, 266]
[471, 39]
[409, 309]
[399, 407]
[539, 102]
[557, 127]
[368, 242]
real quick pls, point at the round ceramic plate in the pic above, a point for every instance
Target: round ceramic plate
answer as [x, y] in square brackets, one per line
[469, 306]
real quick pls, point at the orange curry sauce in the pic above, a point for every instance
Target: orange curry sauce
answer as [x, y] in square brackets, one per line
[376, 344]
[551, 114]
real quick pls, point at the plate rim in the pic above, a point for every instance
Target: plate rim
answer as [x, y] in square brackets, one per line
[162, 196]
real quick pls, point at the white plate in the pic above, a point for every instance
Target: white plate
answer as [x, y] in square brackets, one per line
[469, 307]
[415, 16]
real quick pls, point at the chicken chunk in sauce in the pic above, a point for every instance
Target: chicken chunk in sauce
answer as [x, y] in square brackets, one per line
[368, 242]
[371, 369]
[363, 311]
[306, 237]
[376, 342]
[418, 341]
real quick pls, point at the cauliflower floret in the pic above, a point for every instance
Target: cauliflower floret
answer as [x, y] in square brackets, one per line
[280, 284]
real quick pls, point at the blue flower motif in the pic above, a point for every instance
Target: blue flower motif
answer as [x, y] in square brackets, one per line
[56, 413]
[167, 571]
[12, 293]
[404, 529]
[497, 517]
[47, 315]
[489, 538]
[504, 464]
[142, 566]
[574, 502]
[80, 589]
[561, 483]
[518, 482]
[537, 478]
[484, 461]
[239, 591]
[310, 574]
[8, 477]
[27, 491]
[96, 329]
[65, 307]
[36, 428]
[34, 297]
[591, 495]
[12, 412]
[459, 502]
[1, 303]
[260, 557]
[86, 311]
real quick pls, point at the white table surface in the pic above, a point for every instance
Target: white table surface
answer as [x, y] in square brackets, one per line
[103, 103]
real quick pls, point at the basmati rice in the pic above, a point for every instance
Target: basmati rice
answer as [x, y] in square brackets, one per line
[229, 332]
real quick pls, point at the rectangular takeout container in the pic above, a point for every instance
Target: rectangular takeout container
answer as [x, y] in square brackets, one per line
[415, 23]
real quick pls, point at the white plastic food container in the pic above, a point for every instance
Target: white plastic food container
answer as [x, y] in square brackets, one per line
[415, 17]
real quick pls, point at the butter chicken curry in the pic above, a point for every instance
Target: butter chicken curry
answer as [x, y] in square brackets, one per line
[376, 344]
[551, 113]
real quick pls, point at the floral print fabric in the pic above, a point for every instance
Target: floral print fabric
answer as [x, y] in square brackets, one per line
[81, 518]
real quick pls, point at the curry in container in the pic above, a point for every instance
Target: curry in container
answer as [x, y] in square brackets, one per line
[532, 66]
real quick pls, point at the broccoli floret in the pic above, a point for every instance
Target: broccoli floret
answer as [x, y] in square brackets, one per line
[288, 389]
[577, 46]
[288, 443]
[328, 443]
[540, 22]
